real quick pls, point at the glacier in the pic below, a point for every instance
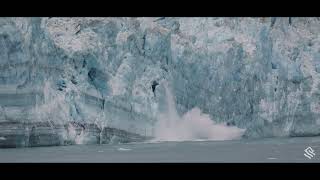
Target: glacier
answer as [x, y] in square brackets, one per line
[104, 80]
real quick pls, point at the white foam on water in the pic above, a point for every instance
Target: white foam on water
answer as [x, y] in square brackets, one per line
[2, 138]
[193, 125]
[272, 158]
[123, 149]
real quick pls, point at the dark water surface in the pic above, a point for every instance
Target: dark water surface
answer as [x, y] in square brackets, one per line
[265, 150]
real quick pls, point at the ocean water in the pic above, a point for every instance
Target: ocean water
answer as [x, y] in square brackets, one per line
[263, 150]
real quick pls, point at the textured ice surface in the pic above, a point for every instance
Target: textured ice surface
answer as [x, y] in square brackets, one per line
[239, 71]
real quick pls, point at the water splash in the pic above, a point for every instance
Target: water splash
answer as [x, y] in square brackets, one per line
[77, 137]
[193, 125]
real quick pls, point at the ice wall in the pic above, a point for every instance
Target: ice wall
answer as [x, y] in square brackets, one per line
[109, 72]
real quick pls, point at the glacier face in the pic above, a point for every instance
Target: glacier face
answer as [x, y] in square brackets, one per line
[110, 72]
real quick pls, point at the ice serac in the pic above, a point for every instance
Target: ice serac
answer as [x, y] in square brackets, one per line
[100, 80]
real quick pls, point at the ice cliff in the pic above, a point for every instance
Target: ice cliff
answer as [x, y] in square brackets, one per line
[61, 76]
